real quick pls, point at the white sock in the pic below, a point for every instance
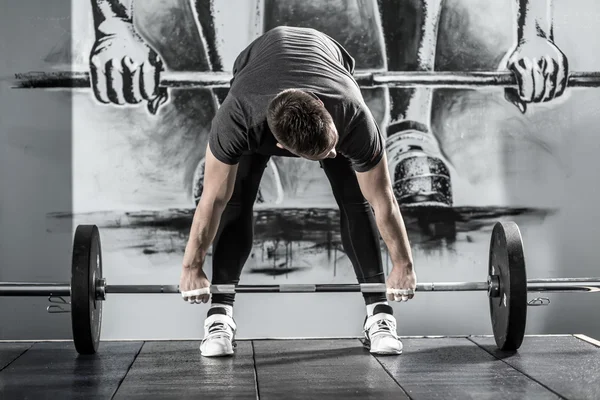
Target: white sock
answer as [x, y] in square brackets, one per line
[371, 307]
[228, 309]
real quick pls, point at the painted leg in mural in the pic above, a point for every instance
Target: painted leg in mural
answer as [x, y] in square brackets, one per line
[360, 238]
[271, 190]
[230, 251]
[419, 173]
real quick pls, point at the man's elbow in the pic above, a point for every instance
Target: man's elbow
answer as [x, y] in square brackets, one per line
[384, 203]
[215, 203]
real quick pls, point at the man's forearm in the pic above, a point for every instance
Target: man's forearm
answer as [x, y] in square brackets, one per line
[105, 11]
[393, 232]
[534, 19]
[205, 224]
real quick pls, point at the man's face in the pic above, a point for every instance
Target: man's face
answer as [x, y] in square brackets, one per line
[329, 153]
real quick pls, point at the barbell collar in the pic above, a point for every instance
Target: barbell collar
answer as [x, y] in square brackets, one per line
[189, 79]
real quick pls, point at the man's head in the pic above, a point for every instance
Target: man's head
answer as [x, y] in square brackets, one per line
[302, 125]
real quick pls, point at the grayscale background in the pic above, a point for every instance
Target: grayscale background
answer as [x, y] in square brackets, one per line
[66, 160]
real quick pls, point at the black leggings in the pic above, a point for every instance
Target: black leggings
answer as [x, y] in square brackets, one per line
[360, 237]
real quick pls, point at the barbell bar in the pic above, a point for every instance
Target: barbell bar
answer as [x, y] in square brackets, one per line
[554, 285]
[190, 79]
[506, 286]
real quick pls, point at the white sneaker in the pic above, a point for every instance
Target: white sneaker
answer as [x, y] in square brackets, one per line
[219, 334]
[380, 332]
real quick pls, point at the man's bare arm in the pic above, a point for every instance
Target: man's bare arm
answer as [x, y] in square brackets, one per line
[377, 189]
[219, 181]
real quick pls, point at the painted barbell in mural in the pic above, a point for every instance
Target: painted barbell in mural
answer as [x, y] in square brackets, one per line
[432, 79]
[506, 285]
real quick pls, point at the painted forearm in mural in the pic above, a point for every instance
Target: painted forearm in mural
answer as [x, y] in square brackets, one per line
[534, 19]
[109, 11]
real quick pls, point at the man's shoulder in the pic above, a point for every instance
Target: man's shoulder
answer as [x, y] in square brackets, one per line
[232, 107]
[285, 31]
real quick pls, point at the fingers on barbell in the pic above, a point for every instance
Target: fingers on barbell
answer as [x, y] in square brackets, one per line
[402, 295]
[149, 80]
[562, 76]
[524, 75]
[539, 79]
[198, 299]
[131, 81]
[114, 78]
[196, 296]
[551, 74]
[98, 77]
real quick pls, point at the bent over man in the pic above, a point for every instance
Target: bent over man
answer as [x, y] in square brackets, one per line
[293, 94]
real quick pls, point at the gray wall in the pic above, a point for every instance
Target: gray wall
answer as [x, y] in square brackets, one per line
[55, 150]
[35, 166]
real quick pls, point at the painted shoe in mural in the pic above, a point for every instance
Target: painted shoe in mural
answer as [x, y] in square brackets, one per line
[419, 174]
[269, 192]
[380, 331]
[219, 334]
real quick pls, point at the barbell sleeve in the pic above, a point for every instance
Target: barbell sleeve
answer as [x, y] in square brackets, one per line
[25, 289]
[439, 79]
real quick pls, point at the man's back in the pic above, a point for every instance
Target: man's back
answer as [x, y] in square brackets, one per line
[287, 57]
[293, 58]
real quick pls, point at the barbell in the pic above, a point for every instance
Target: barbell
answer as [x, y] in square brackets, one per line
[190, 79]
[506, 285]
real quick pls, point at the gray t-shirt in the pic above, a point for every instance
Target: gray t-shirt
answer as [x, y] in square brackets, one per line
[301, 58]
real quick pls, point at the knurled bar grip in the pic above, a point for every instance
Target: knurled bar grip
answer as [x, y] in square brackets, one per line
[447, 79]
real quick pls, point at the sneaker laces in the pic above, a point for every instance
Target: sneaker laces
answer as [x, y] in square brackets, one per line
[218, 329]
[382, 327]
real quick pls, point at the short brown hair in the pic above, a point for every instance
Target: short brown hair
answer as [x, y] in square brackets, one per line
[300, 123]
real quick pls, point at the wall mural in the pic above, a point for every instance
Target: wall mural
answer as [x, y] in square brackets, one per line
[138, 153]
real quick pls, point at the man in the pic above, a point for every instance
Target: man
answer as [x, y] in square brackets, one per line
[293, 94]
[117, 69]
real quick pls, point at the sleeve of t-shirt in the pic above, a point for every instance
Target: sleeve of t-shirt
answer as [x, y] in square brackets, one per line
[364, 144]
[228, 136]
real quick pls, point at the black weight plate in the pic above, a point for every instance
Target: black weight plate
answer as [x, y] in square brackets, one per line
[509, 310]
[86, 269]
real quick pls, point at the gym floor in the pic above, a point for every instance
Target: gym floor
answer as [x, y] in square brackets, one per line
[545, 367]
